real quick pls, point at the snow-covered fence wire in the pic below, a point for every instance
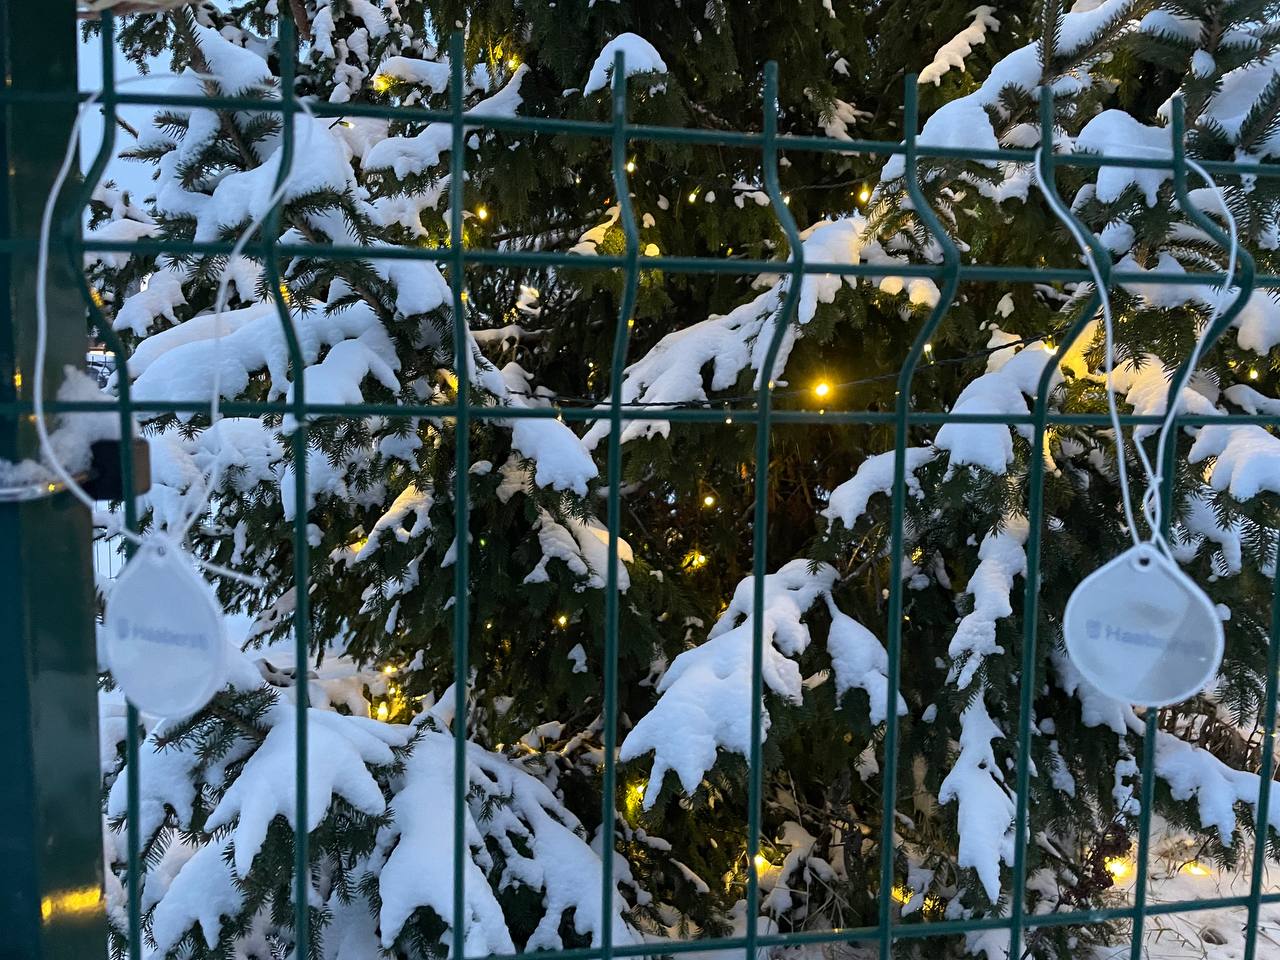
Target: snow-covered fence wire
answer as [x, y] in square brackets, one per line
[454, 125]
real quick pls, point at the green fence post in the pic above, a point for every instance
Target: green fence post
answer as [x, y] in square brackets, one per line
[51, 901]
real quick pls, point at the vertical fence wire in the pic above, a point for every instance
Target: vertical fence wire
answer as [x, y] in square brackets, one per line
[1262, 824]
[1030, 607]
[461, 492]
[759, 527]
[902, 409]
[1031, 580]
[613, 477]
[456, 259]
[287, 54]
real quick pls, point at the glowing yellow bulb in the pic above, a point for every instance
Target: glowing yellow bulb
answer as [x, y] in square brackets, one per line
[631, 166]
[823, 389]
[902, 893]
[928, 348]
[382, 83]
[695, 559]
[512, 63]
[562, 620]
[1118, 867]
[1196, 869]
[762, 863]
[787, 199]
[708, 501]
[383, 711]
[389, 669]
[1253, 374]
[482, 213]
[1049, 346]
[96, 295]
[864, 194]
[693, 195]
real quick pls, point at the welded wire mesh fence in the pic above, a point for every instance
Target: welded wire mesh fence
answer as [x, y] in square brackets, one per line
[948, 272]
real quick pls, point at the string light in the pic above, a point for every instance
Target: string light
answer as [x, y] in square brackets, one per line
[1118, 867]
[902, 893]
[482, 213]
[1196, 869]
[864, 194]
[634, 797]
[695, 559]
[709, 501]
[383, 711]
[389, 669]
[787, 199]
[1253, 374]
[693, 195]
[382, 83]
[762, 863]
[513, 63]
[562, 620]
[822, 389]
[631, 166]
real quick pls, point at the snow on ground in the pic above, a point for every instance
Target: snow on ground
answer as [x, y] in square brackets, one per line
[1176, 876]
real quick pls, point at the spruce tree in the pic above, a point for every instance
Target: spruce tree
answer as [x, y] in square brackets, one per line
[216, 817]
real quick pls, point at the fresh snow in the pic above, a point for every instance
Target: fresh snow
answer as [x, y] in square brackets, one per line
[849, 501]
[705, 696]
[639, 56]
[1001, 558]
[338, 749]
[407, 156]
[952, 53]
[1114, 133]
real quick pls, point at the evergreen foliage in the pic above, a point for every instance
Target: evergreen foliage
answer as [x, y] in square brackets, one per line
[217, 824]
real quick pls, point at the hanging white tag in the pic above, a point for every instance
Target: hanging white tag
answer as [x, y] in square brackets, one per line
[165, 639]
[1141, 631]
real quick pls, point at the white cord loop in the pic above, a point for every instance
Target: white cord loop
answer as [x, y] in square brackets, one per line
[1151, 507]
[207, 483]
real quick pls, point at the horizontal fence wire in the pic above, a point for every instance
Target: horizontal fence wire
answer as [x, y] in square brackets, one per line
[757, 412]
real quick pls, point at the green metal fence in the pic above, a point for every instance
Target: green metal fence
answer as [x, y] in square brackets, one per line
[456, 258]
